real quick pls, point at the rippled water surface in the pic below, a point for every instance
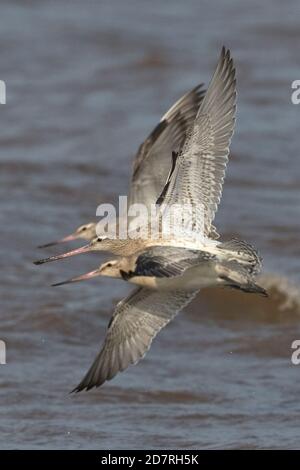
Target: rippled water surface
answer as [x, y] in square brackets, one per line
[86, 82]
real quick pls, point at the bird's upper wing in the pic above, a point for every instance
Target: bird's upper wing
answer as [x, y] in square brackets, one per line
[135, 322]
[200, 168]
[153, 159]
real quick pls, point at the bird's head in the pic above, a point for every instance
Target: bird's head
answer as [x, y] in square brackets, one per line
[110, 268]
[85, 232]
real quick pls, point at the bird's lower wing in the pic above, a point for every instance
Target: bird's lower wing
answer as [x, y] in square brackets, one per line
[136, 321]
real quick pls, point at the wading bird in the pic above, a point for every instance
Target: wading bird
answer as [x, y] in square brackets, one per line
[170, 267]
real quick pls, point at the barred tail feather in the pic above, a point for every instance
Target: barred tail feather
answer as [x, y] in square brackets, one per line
[244, 253]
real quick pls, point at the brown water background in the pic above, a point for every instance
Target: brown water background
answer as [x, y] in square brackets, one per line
[86, 81]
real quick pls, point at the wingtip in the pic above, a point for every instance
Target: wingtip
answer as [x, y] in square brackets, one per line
[225, 50]
[85, 387]
[225, 55]
[81, 387]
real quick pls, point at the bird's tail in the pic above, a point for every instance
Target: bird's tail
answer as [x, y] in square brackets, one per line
[250, 287]
[244, 253]
[233, 274]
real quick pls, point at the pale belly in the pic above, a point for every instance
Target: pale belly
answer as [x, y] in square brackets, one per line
[193, 279]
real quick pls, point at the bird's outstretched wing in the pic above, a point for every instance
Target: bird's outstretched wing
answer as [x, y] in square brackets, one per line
[153, 160]
[200, 168]
[136, 321]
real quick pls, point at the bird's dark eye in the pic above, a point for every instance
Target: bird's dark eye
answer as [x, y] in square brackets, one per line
[109, 265]
[83, 229]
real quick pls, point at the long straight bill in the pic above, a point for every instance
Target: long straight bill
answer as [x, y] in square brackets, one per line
[62, 240]
[83, 277]
[77, 251]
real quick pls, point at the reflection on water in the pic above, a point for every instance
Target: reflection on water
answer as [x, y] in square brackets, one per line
[85, 84]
